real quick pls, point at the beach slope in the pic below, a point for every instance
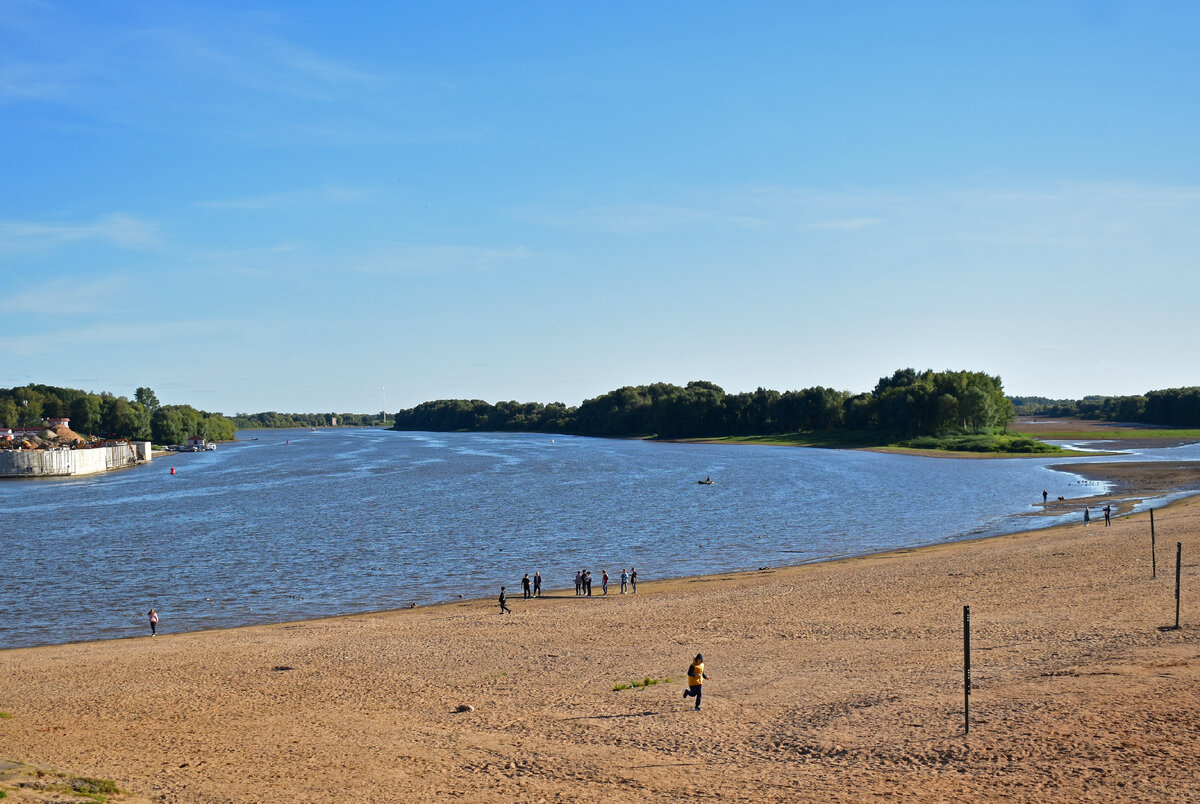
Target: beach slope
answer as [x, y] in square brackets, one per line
[831, 682]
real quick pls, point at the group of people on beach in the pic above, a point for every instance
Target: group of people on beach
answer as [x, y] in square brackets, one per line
[532, 587]
[583, 581]
[1087, 514]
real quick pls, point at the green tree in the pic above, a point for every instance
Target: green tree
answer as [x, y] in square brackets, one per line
[145, 396]
[976, 409]
[85, 414]
[9, 412]
[29, 410]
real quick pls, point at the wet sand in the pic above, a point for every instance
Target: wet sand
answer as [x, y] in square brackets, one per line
[831, 682]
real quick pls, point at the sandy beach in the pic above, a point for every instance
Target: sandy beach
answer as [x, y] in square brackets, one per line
[831, 682]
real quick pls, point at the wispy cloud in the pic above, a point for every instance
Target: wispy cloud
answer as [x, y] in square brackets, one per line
[68, 296]
[409, 259]
[117, 229]
[845, 224]
[635, 218]
[292, 198]
[68, 340]
[27, 81]
[1078, 215]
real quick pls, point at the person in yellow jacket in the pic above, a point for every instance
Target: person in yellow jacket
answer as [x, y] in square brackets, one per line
[696, 678]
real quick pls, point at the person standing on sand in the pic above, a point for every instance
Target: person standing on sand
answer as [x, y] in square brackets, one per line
[587, 582]
[153, 615]
[1045, 495]
[537, 584]
[525, 586]
[504, 602]
[604, 580]
[624, 580]
[1107, 515]
[1087, 516]
[696, 678]
[578, 583]
[633, 579]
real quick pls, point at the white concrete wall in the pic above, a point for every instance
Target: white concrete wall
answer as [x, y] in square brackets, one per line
[65, 462]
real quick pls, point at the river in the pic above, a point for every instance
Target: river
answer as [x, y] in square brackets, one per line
[285, 525]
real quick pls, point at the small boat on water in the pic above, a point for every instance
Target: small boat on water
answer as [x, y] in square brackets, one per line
[708, 481]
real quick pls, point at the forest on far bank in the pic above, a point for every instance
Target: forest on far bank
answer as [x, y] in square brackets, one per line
[909, 405]
[909, 402]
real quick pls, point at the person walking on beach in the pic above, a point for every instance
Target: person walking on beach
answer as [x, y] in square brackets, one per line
[696, 678]
[525, 586]
[624, 580]
[504, 602]
[1087, 516]
[604, 580]
[153, 615]
[1107, 515]
[537, 584]
[633, 579]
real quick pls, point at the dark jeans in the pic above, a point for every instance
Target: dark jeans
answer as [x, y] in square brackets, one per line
[694, 692]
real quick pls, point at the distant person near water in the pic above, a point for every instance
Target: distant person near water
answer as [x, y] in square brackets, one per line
[604, 580]
[1045, 496]
[504, 602]
[579, 583]
[1107, 515]
[1087, 516]
[537, 584]
[525, 587]
[587, 582]
[624, 580]
[633, 579]
[153, 615]
[696, 678]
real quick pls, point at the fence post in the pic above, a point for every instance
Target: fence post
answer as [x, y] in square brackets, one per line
[1153, 554]
[1178, 564]
[966, 670]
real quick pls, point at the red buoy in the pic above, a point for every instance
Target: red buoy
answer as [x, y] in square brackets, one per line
[172, 470]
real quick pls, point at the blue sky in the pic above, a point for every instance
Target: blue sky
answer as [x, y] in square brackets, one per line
[292, 206]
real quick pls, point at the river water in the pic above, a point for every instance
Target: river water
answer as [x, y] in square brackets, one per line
[295, 524]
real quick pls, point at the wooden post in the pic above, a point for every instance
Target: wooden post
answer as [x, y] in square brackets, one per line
[1153, 554]
[1178, 564]
[966, 669]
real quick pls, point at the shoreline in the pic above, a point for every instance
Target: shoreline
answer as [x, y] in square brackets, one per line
[835, 681]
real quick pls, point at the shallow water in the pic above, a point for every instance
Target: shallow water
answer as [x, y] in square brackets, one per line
[300, 524]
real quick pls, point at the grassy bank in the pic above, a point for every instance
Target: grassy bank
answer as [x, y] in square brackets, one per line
[1002, 444]
[1115, 433]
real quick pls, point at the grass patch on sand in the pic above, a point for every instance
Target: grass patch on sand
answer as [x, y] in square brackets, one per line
[95, 789]
[992, 444]
[1007, 443]
[1115, 434]
[645, 682]
[6, 715]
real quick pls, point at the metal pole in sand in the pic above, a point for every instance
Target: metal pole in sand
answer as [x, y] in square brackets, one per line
[966, 670]
[1178, 564]
[1153, 554]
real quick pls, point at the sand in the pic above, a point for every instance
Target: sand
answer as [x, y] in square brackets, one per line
[832, 682]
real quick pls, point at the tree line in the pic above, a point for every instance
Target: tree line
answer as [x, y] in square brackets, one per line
[278, 421]
[1171, 407]
[908, 403]
[104, 414]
